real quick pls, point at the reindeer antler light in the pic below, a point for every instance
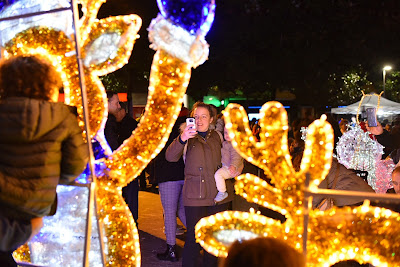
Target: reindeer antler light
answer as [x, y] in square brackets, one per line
[365, 234]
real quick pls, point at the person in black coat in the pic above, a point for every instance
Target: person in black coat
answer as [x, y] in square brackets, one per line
[384, 138]
[125, 126]
[119, 126]
[111, 127]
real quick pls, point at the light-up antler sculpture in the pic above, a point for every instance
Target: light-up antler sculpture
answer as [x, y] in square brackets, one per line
[365, 234]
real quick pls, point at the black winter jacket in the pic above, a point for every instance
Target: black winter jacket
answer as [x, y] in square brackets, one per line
[111, 132]
[163, 170]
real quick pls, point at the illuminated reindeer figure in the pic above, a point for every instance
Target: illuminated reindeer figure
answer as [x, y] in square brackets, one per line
[364, 234]
[105, 46]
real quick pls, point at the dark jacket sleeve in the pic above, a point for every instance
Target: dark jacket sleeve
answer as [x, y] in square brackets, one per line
[174, 151]
[75, 153]
[125, 128]
[111, 132]
[395, 156]
[386, 140]
[347, 180]
[13, 233]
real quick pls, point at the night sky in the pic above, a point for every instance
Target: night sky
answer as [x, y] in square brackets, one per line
[259, 45]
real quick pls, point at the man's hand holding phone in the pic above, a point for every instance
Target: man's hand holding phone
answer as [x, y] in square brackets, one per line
[373, 126]
[375, 130]
[190, 129]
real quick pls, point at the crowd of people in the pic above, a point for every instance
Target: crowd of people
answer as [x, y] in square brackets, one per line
[42, 146]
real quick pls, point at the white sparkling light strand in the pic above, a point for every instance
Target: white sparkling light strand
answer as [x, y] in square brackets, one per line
[59, 20]
[61, 240]
[356, 150]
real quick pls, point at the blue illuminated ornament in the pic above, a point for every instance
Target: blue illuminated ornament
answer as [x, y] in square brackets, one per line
[5, 3]
[98, 153]
[195, 16]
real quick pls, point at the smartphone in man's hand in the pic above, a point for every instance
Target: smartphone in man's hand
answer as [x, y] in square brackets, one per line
[371, 117]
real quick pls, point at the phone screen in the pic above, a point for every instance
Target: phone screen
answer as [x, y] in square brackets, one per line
[371, 117]
[191, 121]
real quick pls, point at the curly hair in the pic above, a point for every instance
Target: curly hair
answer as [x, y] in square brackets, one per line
[28, 76]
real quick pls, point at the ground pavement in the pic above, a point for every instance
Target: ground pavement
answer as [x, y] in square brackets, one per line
[152, 238]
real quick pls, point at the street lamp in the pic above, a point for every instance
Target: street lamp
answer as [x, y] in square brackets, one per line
[384, 76]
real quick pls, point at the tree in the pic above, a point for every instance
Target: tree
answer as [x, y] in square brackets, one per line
[392, 86]
[113, 83]
[347, 88]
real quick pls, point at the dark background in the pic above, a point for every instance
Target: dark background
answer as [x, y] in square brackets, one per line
[260, 46]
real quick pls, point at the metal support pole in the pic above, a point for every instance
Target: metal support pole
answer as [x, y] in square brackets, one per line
[384, 76]
[35, 14]
[92, 187]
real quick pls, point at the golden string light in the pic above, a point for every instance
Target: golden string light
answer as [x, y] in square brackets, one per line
[122, 239]
[210, 231]
[366, 234]
[335, 235]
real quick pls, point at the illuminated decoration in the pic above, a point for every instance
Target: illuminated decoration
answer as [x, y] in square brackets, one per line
[196, 17]
[366, 234]
[99, 153]
[332, 236]
[216, 232]
[107, 45]
[22, 254]
[65, 232]
[303, 131]
[357, 151]
[61, 21]
[119, 33]
[180, 29]
[3, 3]
[383, 173]
[272, 155]
[55, 45]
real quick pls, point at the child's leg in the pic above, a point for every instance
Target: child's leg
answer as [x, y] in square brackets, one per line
[220, 175]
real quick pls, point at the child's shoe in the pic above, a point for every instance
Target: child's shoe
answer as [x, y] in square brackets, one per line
[221, 196]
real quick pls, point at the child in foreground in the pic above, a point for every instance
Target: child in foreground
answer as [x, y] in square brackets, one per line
[41, 145]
